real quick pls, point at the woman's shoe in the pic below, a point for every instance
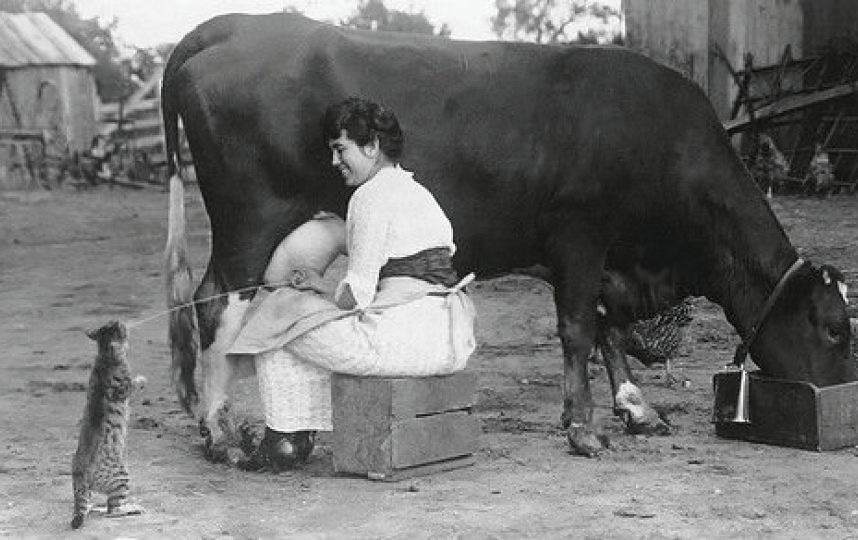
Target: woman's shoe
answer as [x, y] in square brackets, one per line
[279, 451]
[303, 443]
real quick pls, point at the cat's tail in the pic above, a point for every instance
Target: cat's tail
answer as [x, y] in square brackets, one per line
[183, 336]
[81, 497]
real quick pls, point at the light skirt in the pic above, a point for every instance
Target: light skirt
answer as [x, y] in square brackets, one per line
[428, 336]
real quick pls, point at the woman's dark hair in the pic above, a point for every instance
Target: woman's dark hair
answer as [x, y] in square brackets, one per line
[363, 121]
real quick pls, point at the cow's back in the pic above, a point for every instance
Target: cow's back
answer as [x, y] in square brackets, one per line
[510, 137]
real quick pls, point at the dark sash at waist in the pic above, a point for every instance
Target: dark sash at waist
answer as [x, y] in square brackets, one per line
[434, 265]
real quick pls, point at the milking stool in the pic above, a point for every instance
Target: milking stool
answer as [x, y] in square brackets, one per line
[394, 428]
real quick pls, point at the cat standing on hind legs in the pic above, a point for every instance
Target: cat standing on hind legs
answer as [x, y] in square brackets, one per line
[99, 463]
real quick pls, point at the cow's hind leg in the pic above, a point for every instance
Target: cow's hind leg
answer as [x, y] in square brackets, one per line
[629, 403]
[576, 263]
[219, 374]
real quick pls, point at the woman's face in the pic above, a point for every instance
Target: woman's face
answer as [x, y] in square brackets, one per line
[356, 163]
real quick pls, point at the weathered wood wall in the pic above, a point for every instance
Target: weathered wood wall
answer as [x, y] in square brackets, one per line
[68, 102]
[683, 34]
[762, 28]
[675, 33]
[827, 19]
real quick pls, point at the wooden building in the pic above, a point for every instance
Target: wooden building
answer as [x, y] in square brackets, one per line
[48, 99]
[691, 36]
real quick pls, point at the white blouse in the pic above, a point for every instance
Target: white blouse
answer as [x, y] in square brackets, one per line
[389, 216]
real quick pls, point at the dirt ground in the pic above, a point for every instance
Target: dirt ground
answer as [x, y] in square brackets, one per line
[72, 261]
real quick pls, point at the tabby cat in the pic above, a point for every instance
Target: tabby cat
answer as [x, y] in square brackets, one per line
[99, 463]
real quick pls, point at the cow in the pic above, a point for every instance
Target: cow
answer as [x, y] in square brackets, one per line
[579, 160]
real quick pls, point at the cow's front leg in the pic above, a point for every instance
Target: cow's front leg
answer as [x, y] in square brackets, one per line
[219, 375]
[577, 418]
[577, 259]
[629, 403]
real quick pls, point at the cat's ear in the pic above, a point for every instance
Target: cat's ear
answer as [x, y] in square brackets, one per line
[92, 333]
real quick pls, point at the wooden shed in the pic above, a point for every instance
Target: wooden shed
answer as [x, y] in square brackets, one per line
[48, 99]
[782, 73]
[689, 35]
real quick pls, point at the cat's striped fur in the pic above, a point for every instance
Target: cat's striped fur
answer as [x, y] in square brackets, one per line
[99, 463]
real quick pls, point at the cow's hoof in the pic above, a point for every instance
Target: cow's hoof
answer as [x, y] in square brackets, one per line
[216, 450]
[235, 456]
[583, 441]
[215, 442]
[650, 423]
[638, 415]
[249, 437]
[205, 432]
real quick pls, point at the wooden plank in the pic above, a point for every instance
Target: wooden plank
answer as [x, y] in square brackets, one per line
[119, 181]
[21, 133]
[781, 412]
[789, 413]
[791, 103]
[361, 422]
[381, 425]
[144, 123]
[433, 438]
[422, 470]
[426, 395]
[148, 141]
[838, 416]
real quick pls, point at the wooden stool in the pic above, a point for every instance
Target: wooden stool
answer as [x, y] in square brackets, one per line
[395, 428]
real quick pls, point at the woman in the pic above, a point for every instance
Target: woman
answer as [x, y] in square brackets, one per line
[400, 311]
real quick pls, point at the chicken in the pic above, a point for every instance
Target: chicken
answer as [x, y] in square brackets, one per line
[658, 339]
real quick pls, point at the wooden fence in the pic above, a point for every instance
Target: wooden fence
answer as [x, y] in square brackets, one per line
[136, 126]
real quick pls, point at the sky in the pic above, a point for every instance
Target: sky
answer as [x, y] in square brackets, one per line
[146, 23]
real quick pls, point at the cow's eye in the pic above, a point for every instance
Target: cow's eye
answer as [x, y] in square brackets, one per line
[834, 334]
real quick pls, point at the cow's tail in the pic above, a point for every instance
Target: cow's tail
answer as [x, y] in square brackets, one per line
[183, 331]
[183, 335]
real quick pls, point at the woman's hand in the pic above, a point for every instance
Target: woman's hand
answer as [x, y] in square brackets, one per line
[307, 279]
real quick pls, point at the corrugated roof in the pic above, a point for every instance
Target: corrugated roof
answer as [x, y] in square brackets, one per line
[34, 39]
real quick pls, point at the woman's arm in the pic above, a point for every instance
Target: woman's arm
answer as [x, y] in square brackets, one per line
[307, 279]
[367, 227]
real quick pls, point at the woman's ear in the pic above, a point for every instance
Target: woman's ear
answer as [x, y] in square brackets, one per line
[371, 149]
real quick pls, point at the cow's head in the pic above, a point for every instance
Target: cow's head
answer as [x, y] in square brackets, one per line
[807, 334]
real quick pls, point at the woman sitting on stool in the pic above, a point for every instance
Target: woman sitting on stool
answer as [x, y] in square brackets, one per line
[401, 310]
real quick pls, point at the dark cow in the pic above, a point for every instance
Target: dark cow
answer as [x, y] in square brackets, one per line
[577, 159]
